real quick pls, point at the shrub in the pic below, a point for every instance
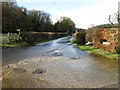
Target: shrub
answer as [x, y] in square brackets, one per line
[118, 50]
[33, 37]
[80, 38]
[74, 40]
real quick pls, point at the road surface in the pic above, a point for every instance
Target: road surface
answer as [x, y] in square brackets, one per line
[57, 64]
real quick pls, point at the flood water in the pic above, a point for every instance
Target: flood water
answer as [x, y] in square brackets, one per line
[82, 69]
[62, 45]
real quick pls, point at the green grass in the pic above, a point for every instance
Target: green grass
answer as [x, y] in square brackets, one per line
[8, 45]
[73, 41]
[12, 45]
[100, 52]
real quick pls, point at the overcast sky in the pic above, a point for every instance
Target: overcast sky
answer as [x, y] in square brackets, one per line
[83, 12]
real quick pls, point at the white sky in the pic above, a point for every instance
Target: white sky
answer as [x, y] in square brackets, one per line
[82, 12]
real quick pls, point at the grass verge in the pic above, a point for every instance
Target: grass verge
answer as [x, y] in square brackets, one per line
[100, 52]
[73, 41]
[12, 45]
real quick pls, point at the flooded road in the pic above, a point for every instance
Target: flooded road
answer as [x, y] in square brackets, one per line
[57, 64]
[62, 45]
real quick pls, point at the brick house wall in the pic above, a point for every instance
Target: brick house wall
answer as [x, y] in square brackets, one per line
[106, 38]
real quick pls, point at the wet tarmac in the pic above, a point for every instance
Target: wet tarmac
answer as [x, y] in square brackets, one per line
[57, 64]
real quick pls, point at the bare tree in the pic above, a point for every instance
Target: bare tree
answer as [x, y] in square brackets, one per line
[110, 20]
[119, 12]
[118, 16]
[115, 16]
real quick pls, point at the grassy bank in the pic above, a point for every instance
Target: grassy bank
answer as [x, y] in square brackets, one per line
[99, 52]
[12, 45]
[73, 40]
[27, 38]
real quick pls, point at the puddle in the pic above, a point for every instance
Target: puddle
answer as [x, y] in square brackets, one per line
[56, 54]
[39, 71]
[43, 44]
[75, 58]
[69, 43]
[64, 42]
[19, 70]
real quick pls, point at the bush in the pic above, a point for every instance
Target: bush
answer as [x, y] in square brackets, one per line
[33, 37]
[74, 40]
[80, 38]
[118, 50]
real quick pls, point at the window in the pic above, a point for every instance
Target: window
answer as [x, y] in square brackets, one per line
[104, 41]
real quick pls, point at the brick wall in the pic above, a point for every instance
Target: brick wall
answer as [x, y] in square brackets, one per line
[106, 38]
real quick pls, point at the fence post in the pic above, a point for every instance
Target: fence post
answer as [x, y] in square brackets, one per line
[19, 31]
[8, 36]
